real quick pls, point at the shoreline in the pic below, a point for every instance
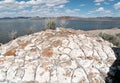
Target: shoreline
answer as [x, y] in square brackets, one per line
[112, 31]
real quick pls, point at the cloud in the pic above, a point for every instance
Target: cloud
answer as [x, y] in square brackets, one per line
[101, 11]
[98, 1]
[36, 8]
[97, 4]
[61, 6]
[9, 1]
[82, 5]
[49, 3]
[73, 12]
[117, 5]
[31, 8]
[106, 3]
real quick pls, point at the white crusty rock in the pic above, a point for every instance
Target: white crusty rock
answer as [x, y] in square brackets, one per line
[56, 56]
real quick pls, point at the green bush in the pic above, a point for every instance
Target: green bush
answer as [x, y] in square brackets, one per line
[51, 25]
[118, 35]
[115, 39]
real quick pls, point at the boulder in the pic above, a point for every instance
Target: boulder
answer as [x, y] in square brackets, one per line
[56, 56]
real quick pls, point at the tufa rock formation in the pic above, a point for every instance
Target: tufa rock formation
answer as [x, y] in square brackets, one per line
[56, 56]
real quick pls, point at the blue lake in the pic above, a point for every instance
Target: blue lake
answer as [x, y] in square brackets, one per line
[22, 26]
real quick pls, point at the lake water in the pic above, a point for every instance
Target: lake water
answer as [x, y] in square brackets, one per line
[22, 26]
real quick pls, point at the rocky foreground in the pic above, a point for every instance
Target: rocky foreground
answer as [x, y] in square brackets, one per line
[56, 56]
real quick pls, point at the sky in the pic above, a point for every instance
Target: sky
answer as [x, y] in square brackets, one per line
[54, 8]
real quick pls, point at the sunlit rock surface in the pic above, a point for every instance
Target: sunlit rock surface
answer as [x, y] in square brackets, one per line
[56, 56]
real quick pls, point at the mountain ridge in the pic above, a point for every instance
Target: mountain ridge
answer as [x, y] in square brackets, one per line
[67, 18]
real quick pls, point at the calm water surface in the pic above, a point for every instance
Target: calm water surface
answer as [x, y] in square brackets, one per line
[22, 26]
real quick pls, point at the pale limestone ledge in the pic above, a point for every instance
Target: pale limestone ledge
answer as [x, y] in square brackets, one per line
[56, 56]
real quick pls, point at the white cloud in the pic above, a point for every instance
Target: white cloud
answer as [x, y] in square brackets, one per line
[68, 11]
[61, 6]
[117, 5]
[33, 2]
[98, 1]
[97, 4]
[74, 12]
[31, 8]
[50, 5]
[9, 1]
[101, 9]
[82, 5]
[36, 8]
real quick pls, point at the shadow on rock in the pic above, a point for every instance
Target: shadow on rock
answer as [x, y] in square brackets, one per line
[114, 71]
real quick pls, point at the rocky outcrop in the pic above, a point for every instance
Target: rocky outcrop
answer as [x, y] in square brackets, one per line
[56, 56]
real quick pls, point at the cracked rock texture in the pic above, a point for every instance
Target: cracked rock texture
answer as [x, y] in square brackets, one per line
[56, 56]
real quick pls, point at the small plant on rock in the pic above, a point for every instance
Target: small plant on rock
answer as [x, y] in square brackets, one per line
[51, 25]
[12, 34]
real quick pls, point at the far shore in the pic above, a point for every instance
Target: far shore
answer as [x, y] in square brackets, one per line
[112, 31]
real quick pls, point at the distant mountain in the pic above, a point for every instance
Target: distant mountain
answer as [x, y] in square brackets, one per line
[78, 18]
[69, 18]
[15, 18]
